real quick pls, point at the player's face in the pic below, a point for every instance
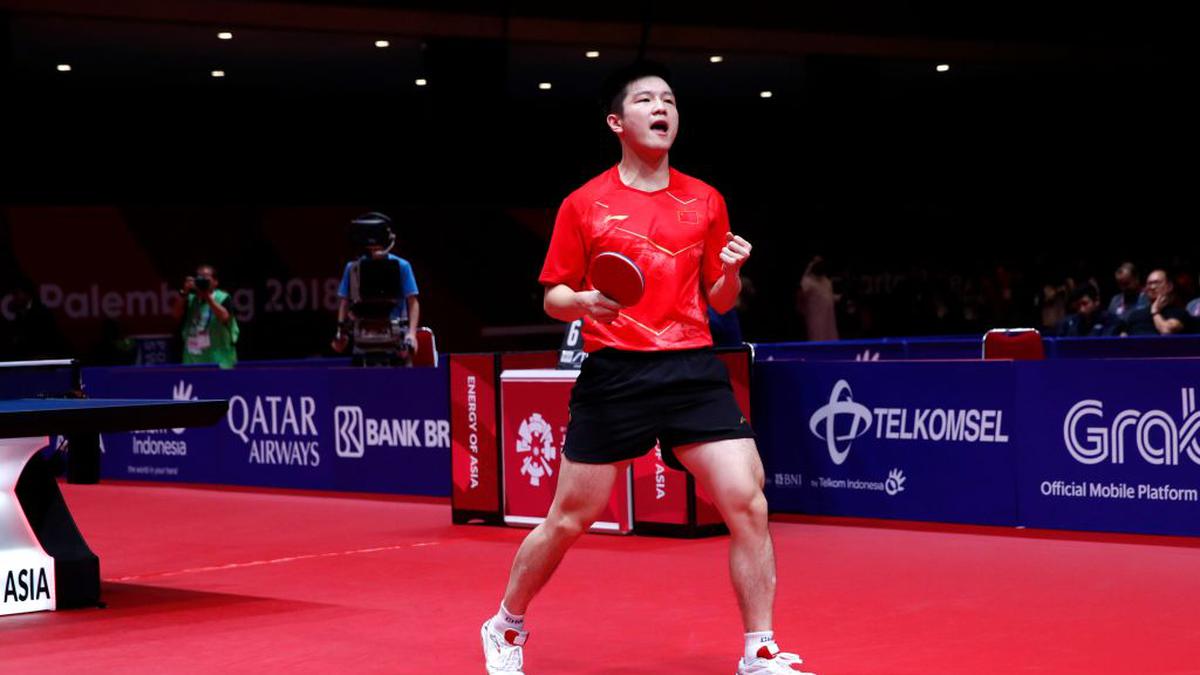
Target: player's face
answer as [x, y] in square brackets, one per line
[650, 119]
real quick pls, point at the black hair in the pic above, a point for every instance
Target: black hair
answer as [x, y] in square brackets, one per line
[1080, 292]
[616, 85]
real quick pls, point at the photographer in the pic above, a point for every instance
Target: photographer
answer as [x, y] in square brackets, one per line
[209, 329]
[377, 279]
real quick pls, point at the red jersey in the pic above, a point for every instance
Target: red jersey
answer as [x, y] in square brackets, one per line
[675, 235]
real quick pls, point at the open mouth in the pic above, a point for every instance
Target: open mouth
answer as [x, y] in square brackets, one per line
[660, 127]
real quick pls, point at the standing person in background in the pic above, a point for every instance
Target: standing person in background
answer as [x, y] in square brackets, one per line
[815, 301]
[209, 329]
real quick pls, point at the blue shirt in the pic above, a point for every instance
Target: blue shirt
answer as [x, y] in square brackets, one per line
[1120, 307]
[408, 286]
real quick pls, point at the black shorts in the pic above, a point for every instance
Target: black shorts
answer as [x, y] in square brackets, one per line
[624, 402]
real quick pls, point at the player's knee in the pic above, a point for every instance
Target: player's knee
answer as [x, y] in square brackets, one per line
[567, 526]
[757, 507]
[748, 505]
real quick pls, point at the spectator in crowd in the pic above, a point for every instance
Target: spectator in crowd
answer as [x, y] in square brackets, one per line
[1052, 303]
[815, 301]
[1165, 314]
[1087, 318]
[1129, 293]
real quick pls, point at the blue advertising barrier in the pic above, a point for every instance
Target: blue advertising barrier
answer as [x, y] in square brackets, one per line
[1137, 347]
[1108, 445]
[921, 441]
[1074, 443]
[971, 348]
[354, 429]
[886, 349]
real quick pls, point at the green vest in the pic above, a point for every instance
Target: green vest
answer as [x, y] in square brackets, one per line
[205, 338]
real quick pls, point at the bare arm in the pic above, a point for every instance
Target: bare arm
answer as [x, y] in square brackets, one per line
[177, 308]
[724, 293]
[1166, 326]
[218, 309]
[414, 314]
[1162, 324]
[565, 304]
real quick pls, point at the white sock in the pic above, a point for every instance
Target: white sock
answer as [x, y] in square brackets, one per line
[505, 619]
[756, 641]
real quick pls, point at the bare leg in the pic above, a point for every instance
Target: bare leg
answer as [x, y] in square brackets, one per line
[731, 473]
[582, 493]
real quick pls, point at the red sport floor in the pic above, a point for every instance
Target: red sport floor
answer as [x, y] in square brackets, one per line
[203, 581]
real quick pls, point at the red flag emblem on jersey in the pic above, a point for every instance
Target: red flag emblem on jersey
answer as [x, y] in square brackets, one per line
[689, 217]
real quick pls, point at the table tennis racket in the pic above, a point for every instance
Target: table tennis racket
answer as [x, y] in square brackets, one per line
[617, 277]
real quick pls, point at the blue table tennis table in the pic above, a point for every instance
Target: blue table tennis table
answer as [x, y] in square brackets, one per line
[45, 564]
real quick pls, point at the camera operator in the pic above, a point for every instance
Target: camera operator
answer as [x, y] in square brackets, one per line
[209, 329]
[374, 234]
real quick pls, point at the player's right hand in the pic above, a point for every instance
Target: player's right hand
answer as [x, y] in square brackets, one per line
[598, 306]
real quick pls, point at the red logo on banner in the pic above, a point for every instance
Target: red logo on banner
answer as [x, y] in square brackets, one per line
[535, 443]
[535, 415]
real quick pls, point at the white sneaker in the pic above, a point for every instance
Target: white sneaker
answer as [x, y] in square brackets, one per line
[772, 662]
[502, 653]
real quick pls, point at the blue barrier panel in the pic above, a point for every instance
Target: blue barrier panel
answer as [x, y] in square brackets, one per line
[887, 349]
[1141, 346]
[971, 347]
[1111, 446]
[184, 455]
[391, 429]
[912, 440]
[884, 349]
[373, 430]
[965, 349]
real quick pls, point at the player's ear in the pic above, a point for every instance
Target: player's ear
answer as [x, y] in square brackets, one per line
[615, 123]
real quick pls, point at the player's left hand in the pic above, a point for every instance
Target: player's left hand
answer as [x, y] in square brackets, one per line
[736, 252]
[410, 341]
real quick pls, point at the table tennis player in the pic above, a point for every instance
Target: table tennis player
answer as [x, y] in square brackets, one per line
[651, 375]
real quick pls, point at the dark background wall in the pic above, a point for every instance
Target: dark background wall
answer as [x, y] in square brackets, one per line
[1052, 147]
